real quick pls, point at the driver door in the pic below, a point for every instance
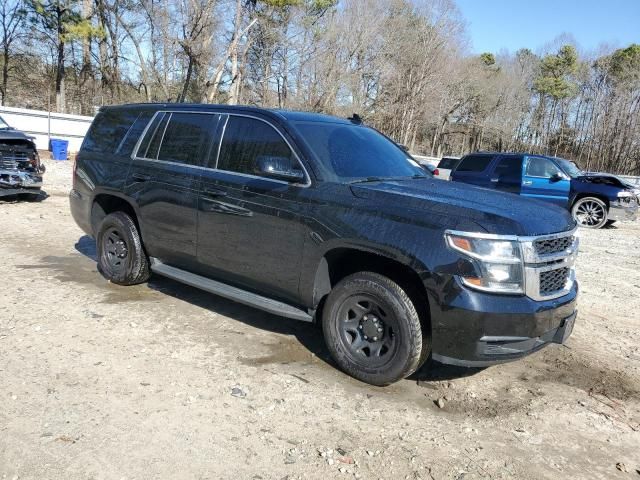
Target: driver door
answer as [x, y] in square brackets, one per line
[250, 231]
[542, 179]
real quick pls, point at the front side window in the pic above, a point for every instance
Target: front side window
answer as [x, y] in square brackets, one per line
[247, 141]
[541, 167]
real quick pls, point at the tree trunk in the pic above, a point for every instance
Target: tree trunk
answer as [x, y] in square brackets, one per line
[60, 97]
[5, 75]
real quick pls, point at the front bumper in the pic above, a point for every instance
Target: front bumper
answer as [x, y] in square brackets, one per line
[619, 211]
[476, 329]
[14, 182]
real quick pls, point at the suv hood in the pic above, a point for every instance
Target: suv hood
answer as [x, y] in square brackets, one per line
[602, 179]
[11, 134]
[495, 212]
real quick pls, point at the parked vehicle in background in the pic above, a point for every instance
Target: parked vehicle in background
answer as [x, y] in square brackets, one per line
[594, 199]
[318, 218]
[20, 167]
[445, 166]
[429, 168]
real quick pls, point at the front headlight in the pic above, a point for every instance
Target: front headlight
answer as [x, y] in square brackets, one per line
[497, 262]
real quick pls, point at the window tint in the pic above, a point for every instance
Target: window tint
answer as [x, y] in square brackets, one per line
[143, 150]
[448, 163]
[509, 166]
[246, 141]
[107, 130]
[129, 141]
[541, 167]
[350, 152]
[474, 163]
[186, 138]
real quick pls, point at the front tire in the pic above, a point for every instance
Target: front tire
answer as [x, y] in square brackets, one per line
[590, 212]
[372, 329]
[121, 257]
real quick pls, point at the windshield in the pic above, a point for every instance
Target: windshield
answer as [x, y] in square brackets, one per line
[357, 153]
[570, 168]
[3, 124]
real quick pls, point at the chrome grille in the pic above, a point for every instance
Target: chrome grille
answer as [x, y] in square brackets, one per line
[553, 245]
[8, 163]
[553, 281]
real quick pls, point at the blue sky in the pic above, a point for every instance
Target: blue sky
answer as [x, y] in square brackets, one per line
[513, 24]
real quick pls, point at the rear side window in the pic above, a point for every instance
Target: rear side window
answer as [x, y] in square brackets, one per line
[509, 166]
[246, 141]
[187, 138]
[108, 130]
[129, 141]
[474, 163]
[154, 128]
[448, 163]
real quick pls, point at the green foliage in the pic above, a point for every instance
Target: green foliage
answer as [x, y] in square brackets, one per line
[488, 59]
[556, 71]
[625, 64]
[62, 19]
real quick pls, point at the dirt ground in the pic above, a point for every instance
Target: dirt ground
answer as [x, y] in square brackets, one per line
[165, 381]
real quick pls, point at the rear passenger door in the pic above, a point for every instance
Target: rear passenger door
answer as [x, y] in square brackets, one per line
[164, 181]
[507, 174]
[250, 231]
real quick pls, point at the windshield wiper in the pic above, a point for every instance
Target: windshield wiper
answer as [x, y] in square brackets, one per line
[369, 179]
[383, 179]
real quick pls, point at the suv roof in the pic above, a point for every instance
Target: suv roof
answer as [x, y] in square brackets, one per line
[290, 115]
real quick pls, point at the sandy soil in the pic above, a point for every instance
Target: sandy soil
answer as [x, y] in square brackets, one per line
[164, 381]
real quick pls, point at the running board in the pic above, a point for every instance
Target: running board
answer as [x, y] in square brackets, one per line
[232, 293]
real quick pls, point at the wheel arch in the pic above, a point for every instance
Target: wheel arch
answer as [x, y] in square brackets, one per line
[580, 195]
[105, 203]
[339, 262]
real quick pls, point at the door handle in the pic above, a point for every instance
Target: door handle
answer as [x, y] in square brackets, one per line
[527, 182]
[140, 177]
[214, 192]
[495, 180]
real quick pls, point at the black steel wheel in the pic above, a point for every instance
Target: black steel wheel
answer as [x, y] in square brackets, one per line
[121, 257]
[590, 212]
[372, 329]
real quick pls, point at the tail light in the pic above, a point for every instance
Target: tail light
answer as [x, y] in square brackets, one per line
[436, 172]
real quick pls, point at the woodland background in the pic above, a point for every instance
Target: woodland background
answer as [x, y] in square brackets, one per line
[403, 65]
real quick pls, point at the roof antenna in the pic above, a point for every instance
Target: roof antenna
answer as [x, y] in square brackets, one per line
[355, 118]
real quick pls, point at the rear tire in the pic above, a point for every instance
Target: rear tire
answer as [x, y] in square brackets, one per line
[121, 256]
[372, 329]
[590, 212]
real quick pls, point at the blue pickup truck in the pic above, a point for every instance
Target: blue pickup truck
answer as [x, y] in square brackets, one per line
[594, 199]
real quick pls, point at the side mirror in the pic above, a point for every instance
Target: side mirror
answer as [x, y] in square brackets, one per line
[279, 168]
[556, 177]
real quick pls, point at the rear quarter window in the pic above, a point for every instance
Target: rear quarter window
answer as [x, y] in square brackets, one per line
[108, 130]
[474, 163]
[448, 163]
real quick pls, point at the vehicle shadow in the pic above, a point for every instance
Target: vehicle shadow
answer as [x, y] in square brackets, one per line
[307, 334]
[24, 197]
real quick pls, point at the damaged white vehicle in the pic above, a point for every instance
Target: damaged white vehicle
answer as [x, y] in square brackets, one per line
[20, 167]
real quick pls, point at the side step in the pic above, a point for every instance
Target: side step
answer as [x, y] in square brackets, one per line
[232, 293]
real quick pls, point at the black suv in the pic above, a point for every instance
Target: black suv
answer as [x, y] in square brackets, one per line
[323, 219]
